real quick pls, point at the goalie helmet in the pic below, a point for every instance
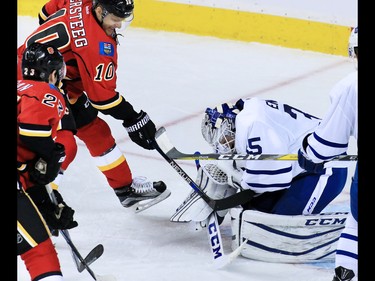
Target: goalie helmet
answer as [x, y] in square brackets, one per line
[218, 127]
[353, 43]
[120, 8]
[40, 60]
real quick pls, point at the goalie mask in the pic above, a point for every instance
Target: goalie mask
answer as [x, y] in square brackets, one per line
[218, 127]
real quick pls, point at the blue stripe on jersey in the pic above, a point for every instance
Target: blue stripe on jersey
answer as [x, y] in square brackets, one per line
[328, 143]
[269, 172]
[317, 155]
[279, 185]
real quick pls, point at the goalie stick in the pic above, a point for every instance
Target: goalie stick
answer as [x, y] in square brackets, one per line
[173, 153]
[217, 205]
[215, 241]
[214, 238]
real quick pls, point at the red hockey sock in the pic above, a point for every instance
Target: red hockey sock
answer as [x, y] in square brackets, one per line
[108, 158]
[42, 260]
[66, 137]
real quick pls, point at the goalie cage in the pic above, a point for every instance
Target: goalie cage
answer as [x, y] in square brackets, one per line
[287, 239]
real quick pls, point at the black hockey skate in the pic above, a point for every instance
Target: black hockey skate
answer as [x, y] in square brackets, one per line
[141, 190]
[343, 274]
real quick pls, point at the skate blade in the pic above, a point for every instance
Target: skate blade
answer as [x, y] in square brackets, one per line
[144, 205]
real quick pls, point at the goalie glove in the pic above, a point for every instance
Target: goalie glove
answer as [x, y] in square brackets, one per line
[141, 130]
[233, 173]
[46, 170]
[304, 160]
[57, 216]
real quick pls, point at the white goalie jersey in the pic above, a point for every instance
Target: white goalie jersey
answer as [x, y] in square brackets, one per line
[270, 127]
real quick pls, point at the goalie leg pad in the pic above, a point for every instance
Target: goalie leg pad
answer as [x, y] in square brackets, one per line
[287, 239]
[235, 223]
[214, 182]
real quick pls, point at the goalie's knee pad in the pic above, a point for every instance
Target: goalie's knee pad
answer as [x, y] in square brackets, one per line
[212, 181]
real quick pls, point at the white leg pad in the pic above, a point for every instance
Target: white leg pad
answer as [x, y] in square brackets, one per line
[287, 239]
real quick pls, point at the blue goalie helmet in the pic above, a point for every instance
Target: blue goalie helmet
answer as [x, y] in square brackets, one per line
[218, 127]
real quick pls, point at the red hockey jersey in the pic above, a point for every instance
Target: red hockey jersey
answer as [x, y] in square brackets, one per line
[40, 107]
[90, 54]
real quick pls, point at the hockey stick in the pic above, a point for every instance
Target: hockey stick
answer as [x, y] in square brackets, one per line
[92, 256]
[173, 153]
[216, 244]
[79, 261]
[214, 238]
[78, 255]
[217, 205]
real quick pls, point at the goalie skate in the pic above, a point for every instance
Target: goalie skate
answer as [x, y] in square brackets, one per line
[142, 194]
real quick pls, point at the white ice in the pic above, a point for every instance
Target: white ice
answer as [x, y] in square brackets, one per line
[174, 77]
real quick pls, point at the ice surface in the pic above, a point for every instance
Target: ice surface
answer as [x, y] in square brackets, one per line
[174, 77]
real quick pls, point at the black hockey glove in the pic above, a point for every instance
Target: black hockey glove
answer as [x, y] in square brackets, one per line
[45, 171]
[141, 130]
[58, 216]
[305, 162]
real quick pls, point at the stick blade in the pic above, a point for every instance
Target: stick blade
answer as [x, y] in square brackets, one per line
[91, 257]
[227, 259]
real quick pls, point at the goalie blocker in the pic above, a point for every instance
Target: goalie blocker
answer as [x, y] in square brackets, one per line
[286, 239]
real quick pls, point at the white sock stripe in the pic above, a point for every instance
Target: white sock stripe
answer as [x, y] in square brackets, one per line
[108, 158]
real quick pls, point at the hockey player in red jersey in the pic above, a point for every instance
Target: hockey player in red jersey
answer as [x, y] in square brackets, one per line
[85, 33]
[40, 108]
